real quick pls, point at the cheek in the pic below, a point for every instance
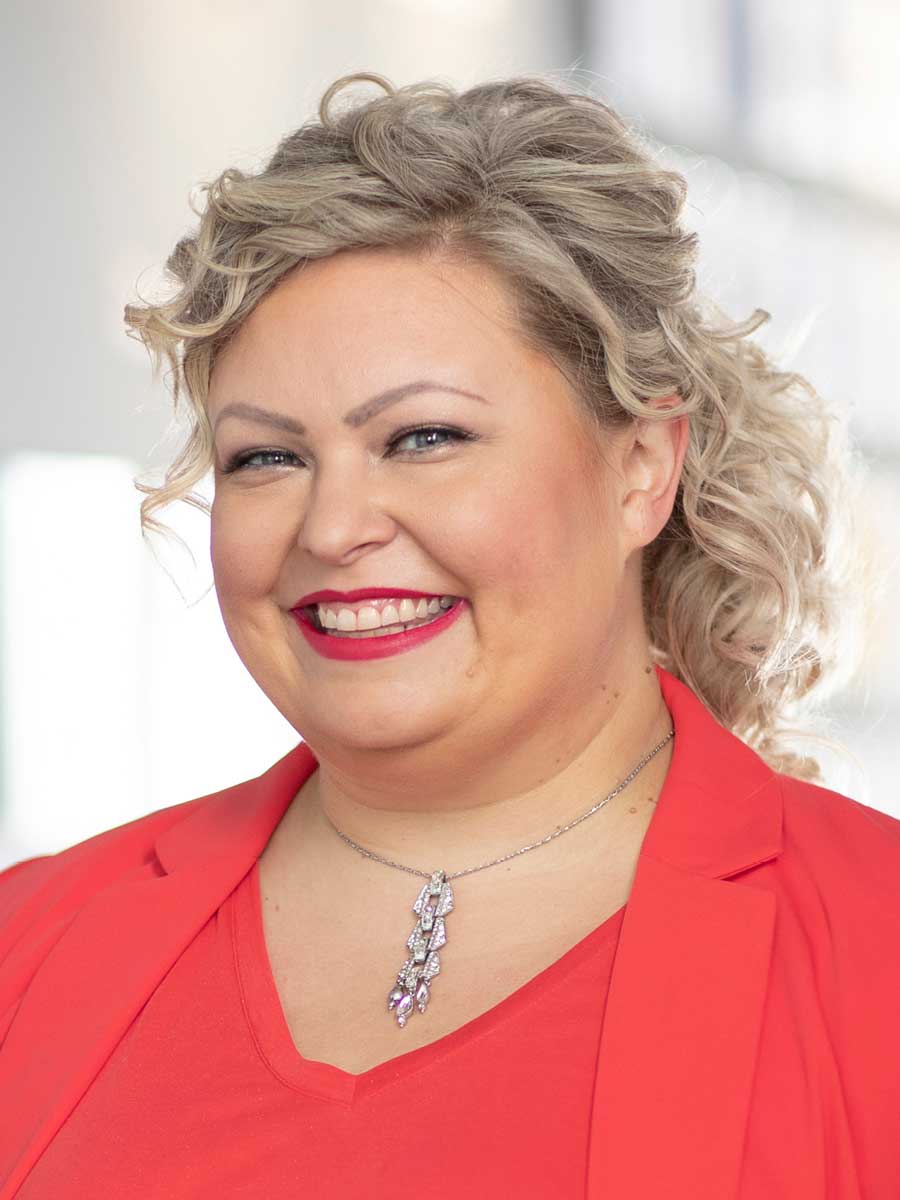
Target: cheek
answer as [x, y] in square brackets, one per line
[553, 515]
[512, 535]
[246, 552]
[479, 532]
[557, 531]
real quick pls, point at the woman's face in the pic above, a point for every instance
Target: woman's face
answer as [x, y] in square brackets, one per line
[517, 517]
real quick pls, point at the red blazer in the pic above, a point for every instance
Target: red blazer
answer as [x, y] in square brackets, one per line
[751, 1044]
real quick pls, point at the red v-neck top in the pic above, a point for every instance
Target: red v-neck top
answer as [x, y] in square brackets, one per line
[206, 1095]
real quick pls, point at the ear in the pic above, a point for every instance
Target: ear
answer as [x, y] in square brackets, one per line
[651, 466]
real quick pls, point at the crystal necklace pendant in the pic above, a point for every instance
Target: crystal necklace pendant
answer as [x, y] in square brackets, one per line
[413, 985]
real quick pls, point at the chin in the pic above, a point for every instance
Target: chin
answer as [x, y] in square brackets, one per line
[382, 727]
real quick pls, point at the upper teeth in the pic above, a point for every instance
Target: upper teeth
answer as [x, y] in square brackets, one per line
[392, 612]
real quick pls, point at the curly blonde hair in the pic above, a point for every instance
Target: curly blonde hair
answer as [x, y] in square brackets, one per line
[745, 591]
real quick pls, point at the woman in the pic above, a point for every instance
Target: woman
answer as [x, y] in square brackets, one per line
[536, 556]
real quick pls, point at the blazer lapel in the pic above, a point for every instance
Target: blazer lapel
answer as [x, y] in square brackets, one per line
[684, 1011]
[98, 976]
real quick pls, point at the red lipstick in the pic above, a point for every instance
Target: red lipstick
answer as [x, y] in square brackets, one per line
[357, 649]
[374, 593]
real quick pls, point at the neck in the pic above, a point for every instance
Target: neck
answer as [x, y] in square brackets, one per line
[472, 809]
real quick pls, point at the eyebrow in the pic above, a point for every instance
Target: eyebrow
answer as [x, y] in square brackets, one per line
[354, 418]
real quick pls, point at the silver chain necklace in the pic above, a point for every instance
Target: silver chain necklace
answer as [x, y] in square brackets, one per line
[435, 901]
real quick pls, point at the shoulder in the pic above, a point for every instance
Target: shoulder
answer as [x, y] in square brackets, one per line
[842, 836]
[837, 927]
[69, 877]
[838, 884]
[43, 893]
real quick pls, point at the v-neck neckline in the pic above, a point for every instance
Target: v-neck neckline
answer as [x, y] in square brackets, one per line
[275, 1044]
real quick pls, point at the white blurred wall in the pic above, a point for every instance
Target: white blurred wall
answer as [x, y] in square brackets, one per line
[115, 112]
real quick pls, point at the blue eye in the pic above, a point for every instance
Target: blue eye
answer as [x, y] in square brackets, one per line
[456, 434]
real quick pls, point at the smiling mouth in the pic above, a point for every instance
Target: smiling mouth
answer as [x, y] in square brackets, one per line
[311, 613]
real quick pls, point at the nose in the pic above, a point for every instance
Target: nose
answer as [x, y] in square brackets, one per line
[343, 513]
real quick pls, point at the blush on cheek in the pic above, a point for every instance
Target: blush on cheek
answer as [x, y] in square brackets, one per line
[246, 562]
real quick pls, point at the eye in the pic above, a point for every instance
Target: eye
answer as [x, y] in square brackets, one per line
[239, 461]
[456, 435]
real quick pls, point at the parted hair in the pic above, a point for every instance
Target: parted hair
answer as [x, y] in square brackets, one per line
[747, 589]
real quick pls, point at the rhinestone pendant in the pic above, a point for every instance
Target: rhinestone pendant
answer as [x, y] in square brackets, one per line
[413, 986]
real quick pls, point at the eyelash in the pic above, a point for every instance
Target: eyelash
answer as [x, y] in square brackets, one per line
[243, 459]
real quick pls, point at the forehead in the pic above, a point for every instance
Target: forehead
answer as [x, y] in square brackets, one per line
[376, 313]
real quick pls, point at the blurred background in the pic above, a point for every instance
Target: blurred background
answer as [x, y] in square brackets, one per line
[119, 690]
